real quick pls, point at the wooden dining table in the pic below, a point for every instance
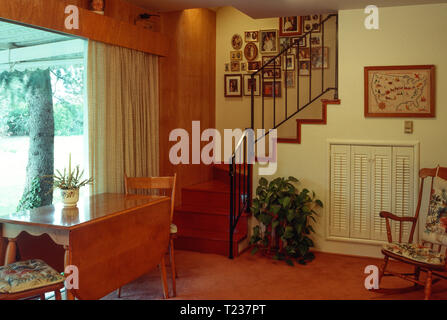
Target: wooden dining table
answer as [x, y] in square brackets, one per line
[112, 239]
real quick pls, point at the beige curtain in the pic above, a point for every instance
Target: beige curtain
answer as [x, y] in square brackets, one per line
[122, 89]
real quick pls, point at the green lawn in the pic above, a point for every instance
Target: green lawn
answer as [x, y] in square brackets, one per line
[13, 160]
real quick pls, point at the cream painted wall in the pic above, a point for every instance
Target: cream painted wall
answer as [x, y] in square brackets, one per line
[235, 112]
[407, 35]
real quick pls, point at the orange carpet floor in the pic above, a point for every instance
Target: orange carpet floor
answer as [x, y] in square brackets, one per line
[329, 276]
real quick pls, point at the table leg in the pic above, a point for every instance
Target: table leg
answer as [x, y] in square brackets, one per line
[11, 251]
[69, 295]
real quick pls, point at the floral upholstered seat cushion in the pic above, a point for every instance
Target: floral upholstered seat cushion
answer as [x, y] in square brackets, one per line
[26, 275]
[416, 252]
[436, 222]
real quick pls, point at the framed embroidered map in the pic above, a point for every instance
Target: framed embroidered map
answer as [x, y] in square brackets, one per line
[400, 91]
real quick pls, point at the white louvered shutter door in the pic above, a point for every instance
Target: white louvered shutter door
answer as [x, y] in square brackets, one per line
[402, 184]
[380, 190]
[360, 191]
[339, 193]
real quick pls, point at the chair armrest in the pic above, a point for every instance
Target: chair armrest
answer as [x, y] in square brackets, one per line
[389, 215]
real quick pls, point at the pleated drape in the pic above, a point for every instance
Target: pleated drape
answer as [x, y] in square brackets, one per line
[123, 115]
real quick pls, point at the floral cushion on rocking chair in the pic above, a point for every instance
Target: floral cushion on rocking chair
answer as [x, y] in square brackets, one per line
[436, 223]
[416, 252]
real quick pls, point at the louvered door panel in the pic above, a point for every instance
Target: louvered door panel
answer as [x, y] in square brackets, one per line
[403, 186]
[365, 180]
[339, 193]
[360, 192]
[380, 190]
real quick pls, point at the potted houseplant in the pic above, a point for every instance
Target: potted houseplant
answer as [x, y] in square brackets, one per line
[69, 182]
[284, 215]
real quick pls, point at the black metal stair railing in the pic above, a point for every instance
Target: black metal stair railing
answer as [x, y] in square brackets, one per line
[240, 183]
[243, 156]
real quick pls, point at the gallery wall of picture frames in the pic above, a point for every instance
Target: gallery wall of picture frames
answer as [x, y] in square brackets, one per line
[251, 49]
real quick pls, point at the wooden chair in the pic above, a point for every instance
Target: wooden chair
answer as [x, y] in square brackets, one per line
[423, 257]
[27, 279]
[166, 186]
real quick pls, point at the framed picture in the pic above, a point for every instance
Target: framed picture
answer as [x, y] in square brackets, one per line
[251, 36]
[253, 65]
[304, 68]
[300, 42]
[269, 41]
[304, 53]
[236, 42]
[235, 55]
[315, 40]
[271, 73]
[284, 43]
[267, 89]
[250, 84]
[312, 22]
[316, 57]
[289, 62]
[227, 67]
[235, 66]
[400, 91]
[290, 79]
[233, 85]
[290, 26]
[266, 59]
[250, 51]
[243, 66]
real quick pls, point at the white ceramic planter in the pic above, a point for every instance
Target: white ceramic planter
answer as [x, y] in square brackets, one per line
[70, 197]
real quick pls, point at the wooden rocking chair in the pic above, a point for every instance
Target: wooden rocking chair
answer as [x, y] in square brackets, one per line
[422, 256]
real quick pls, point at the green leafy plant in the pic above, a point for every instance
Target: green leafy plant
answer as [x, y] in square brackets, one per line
[70, 179]
[31, 198]
[284, 213]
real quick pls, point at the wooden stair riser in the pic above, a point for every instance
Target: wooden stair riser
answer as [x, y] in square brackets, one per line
[203, 218]
[209, 199]
[222, 175]
[205, 221]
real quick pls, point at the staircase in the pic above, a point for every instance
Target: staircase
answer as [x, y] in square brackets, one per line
[203, 217]
[213, 217]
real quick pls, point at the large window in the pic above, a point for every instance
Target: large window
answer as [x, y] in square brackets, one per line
[41, 92]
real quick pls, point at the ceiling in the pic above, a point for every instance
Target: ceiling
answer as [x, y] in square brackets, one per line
[276, 8]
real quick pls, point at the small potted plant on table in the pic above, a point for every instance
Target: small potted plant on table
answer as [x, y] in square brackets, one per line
[69, 182]
[284, 214]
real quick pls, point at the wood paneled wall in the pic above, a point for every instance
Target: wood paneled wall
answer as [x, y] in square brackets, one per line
[121, 10]
[187, 86]
[115, 27]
